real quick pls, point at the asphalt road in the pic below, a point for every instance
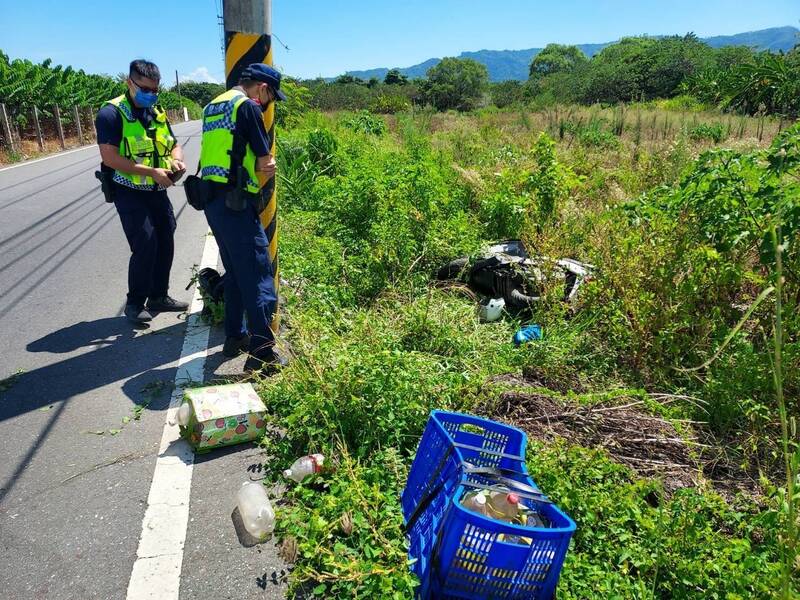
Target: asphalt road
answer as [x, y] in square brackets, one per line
[76, 465]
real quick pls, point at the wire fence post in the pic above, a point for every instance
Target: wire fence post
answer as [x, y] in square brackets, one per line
[59, 127]
[6, 128]
[77, 116]
[91, 120]
[39, 137]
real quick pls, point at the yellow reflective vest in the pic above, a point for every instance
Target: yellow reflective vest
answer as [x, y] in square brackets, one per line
[151, 146]
[217, 145]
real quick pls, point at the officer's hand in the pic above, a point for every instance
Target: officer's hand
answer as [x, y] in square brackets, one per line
[161, 177]
[266, 165]
[178, 165]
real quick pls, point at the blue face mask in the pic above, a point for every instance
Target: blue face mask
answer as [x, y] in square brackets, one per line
[145, 99]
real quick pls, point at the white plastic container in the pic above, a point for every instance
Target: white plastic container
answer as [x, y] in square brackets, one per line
[491, 310]
[304, 466]
[256, 510]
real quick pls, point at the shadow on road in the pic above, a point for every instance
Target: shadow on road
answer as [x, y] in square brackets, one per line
[114, 351]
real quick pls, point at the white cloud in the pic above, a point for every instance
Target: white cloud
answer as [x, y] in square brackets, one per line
[200, 74]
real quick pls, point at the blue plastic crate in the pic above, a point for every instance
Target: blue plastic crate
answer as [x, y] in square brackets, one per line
[451, 441]
[477, 557]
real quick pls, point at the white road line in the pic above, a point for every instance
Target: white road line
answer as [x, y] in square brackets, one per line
[56, 155]
[157, 571]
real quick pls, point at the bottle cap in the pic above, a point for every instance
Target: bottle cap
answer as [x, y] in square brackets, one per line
[480, 499]
[319, 458]
[287, 473]
[512, 498]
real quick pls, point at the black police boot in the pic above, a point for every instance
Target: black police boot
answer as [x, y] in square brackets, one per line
[234, 345]
[137, 314]
[166, 304]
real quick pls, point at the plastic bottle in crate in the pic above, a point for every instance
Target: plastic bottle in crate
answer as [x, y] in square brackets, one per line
[476, 502]
[504, 506]
[532, 518]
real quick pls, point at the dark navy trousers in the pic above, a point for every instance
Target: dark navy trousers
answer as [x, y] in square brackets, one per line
[249, 283]
[149, 224]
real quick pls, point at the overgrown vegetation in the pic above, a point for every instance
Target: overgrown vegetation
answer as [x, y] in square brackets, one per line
[679, 231]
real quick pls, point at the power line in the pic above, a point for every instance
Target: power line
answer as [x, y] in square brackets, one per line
[221, 24]
[280, 41]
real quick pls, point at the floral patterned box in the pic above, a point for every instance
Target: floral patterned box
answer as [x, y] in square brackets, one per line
[223, 415]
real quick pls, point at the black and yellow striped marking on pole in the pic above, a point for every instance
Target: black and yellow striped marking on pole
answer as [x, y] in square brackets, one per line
[242, 49]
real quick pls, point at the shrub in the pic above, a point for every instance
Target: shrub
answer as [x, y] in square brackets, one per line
[389, 104]
[375, 342]
[364, 122]
[455, 83]
[706, 131]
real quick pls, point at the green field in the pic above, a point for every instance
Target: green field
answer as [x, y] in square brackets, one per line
[671, 207]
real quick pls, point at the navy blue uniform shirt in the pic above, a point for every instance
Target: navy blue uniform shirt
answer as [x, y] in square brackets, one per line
[250, 126]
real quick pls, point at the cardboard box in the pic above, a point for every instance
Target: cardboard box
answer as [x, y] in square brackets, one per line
[223, 415]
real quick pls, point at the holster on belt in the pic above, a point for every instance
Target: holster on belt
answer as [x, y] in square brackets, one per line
[106, 184]
[238, 198]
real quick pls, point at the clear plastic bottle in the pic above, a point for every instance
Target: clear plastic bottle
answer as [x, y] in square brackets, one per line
[476, 502]
[255, 509]
[534, 519]
[304, 466]
[184, 414]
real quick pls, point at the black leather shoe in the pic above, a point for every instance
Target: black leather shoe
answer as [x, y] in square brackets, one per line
[137, 314]
[235, 345]
[166, 304]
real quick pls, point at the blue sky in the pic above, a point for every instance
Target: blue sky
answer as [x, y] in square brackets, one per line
[330, 37]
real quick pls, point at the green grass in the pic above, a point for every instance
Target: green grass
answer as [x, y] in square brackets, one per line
[366, 220]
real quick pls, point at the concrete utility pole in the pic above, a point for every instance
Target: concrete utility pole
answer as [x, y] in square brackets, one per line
[178, 86]
[248, 39]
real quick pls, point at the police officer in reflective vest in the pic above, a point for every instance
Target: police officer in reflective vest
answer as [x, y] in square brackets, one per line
[234, 157]
[141, 159]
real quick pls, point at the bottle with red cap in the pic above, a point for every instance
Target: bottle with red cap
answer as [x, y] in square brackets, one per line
[305, 466]
[504, 506]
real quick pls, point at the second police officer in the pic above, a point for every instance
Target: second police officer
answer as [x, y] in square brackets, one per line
[235, 151]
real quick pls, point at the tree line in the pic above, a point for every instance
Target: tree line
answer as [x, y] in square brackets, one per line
[642, 68]
[635, 69]
[732, 78]
[25, 84]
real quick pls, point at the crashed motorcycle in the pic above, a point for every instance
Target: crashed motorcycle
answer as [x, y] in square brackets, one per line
[507, 271]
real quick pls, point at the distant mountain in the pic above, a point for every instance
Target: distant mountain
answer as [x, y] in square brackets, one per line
[513, 64]
[776, 39]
